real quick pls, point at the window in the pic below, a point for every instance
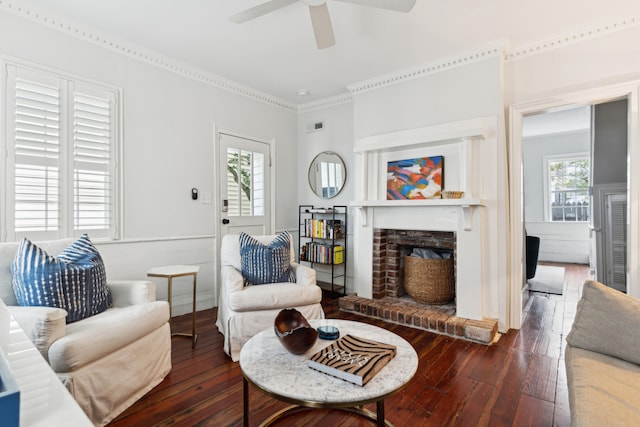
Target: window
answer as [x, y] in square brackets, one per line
[331, 174]
[62, 144]
[568, 189]
[245, 182]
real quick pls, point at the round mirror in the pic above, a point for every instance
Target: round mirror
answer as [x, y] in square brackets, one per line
[327, 174]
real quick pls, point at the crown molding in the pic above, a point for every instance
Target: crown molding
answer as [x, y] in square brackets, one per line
[488, 51]
[321, 104]
[571, 38]
[153, 58]
[499, 48]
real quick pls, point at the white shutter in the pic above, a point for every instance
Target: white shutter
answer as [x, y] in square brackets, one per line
[93, 160]
[257, 187]
[62, 147]
[34, 114]
[616, 241]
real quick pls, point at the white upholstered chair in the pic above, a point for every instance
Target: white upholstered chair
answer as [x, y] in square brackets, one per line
[107, 361]
[243, 311]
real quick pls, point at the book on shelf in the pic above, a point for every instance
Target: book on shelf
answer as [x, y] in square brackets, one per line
[323, 228]
[338, 254]
[322, 253]
[353, 359]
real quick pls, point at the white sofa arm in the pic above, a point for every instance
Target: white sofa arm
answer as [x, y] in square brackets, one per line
[304, 274]
[131, 292]
[43, 325]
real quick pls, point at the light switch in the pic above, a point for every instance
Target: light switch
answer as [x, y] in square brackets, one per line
[205, 197]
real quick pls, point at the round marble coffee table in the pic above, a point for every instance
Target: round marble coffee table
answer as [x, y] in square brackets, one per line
[267, 365]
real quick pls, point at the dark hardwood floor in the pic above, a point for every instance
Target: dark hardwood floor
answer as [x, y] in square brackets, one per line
[518, 381]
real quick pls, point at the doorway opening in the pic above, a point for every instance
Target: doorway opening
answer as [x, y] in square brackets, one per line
[575, 187]
[578, 211]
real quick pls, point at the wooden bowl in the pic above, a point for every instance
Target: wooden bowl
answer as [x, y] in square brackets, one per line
[294, 332]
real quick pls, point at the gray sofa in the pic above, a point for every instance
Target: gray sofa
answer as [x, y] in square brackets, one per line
[106, 361]
[603, 359]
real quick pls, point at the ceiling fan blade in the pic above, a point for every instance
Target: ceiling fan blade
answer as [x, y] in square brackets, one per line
[259, 10]
[322, 26]
[395, 5]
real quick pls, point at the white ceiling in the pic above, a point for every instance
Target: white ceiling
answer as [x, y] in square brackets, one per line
[276, 53]
[555, 122]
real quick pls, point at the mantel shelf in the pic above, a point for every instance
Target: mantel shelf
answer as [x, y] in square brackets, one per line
[416, 203]
[466, 204]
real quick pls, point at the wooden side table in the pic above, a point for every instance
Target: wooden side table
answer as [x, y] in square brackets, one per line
[170, 272]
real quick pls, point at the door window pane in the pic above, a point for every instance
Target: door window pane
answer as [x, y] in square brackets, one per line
[245, 182]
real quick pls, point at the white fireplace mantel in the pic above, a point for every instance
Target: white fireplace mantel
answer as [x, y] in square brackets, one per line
[466, 204]
[456, 140]
[468, 147]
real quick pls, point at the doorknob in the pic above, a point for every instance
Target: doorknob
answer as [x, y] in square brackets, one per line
[225, 221]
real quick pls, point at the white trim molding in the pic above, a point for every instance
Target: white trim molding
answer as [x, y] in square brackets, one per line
[321, 104]
[499, 48]
[489, 51]
[142, 54]
[571, 38]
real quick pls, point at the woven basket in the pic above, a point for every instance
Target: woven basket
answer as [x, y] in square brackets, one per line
[429, 281]
[452, 194]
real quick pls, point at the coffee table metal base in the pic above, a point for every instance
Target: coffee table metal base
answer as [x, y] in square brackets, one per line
[377, 418]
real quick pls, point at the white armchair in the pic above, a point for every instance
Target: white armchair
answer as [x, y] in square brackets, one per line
[243, 311]
[106, 361]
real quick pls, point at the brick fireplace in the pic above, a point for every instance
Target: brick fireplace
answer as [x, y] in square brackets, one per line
[461, 225]
[389, 249]
[390, 301]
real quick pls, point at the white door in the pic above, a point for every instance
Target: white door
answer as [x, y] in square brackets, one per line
[245, 185]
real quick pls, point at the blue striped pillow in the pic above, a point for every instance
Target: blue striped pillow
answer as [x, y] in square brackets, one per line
[75, 280]
[266, 263]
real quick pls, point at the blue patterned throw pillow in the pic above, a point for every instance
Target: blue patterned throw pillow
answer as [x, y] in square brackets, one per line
[75, 280]
[266, 263]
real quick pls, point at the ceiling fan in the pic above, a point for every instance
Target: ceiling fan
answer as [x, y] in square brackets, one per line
[319, 12]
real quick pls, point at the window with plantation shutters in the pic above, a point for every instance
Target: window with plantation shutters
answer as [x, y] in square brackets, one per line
[62, 142]
[36, 140]
[92, 155]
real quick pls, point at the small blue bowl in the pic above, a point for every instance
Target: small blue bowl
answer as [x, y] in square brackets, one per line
[328, 333]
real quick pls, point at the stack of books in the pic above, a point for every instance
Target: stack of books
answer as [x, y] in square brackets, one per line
[321, 253]
[323, 228]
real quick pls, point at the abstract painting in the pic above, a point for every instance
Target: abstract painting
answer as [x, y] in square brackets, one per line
[420, 178]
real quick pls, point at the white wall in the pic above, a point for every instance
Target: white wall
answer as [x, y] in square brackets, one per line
[337, 136]
[168, 149]
[534, 150]
[586, 64]
[459, 93]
